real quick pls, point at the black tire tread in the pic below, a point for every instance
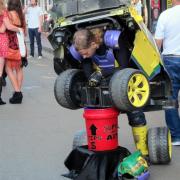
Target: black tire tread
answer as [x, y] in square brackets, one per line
[158, 146]
[62, 89]
[118, 89]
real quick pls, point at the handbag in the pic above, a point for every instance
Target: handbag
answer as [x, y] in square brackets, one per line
[21, 43]
[13, 54]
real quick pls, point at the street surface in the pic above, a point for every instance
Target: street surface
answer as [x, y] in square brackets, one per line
[36, 136]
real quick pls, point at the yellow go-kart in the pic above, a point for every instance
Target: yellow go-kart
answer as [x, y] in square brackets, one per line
[144, 84]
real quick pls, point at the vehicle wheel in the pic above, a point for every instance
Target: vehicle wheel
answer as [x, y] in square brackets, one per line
[80, 139]
[159, 145]
[67, 88]
[129, 89]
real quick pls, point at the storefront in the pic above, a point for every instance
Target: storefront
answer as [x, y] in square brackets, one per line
[44, 4]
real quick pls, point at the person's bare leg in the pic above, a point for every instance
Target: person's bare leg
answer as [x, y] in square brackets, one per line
[13, 79]
[1, 66]
[17, 95]
[20, 77]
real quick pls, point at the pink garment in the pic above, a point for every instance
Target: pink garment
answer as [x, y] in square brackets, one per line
[3, 38]
[13, 42]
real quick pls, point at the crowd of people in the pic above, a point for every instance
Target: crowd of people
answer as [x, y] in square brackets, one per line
[12, 21]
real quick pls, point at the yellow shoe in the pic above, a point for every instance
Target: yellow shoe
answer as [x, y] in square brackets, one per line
[140, 138]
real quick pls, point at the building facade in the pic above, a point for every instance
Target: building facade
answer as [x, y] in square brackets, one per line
[44, 4]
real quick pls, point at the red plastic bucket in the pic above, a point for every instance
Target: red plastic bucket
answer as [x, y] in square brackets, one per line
[102, 128]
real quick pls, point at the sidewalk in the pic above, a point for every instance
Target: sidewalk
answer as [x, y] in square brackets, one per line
[45, 43]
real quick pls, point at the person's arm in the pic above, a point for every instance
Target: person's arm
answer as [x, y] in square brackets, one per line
[87, 66]
[40, 20]
[145, 15]
[2, 28]
[40, 23]
[159, 43]
[24, 26]
[145, 12]
[9, 26]
[25, 9]
[160, 31]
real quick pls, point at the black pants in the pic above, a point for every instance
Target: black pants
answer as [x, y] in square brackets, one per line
[33, 33]
[136, 118]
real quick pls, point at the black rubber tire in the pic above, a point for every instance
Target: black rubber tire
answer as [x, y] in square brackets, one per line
[66, 88]
[159, 145]
[118, 87]
[80, 139]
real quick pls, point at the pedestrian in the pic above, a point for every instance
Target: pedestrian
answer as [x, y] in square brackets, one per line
[93, 50]
[3, 50]
[141, 8]
[155, 16]
[34, 20]
[4, 24]
[138, 6]
[13, 66]
[167, 36]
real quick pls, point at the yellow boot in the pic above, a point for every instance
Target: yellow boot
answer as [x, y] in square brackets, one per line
[140, 138]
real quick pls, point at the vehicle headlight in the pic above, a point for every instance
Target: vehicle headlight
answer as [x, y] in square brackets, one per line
[59, 37]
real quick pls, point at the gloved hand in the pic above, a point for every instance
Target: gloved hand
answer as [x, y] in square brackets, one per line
[24, 61]
[95, 78]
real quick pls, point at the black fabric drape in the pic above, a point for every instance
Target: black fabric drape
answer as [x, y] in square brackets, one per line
[87, 165]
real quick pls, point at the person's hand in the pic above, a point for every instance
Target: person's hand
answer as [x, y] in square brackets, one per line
[24, 61]
[25, 33]
[40, 29]
[20, 30]
[95, 79]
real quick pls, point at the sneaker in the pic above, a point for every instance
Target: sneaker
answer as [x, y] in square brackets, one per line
[30, 56]
[176, 143]
[39, 57]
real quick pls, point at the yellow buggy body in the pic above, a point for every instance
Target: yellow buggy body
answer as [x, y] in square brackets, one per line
[144, 84]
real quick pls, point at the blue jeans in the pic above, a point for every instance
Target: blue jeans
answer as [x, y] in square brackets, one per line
[33, 33]
[172, 64]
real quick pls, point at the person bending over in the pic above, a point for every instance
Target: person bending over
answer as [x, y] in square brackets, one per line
[104, 48]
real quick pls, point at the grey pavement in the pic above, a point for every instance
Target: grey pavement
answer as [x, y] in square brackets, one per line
[45, 43]
[36, 136]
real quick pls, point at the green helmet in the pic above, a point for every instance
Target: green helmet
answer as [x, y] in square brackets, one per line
[134, 165]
